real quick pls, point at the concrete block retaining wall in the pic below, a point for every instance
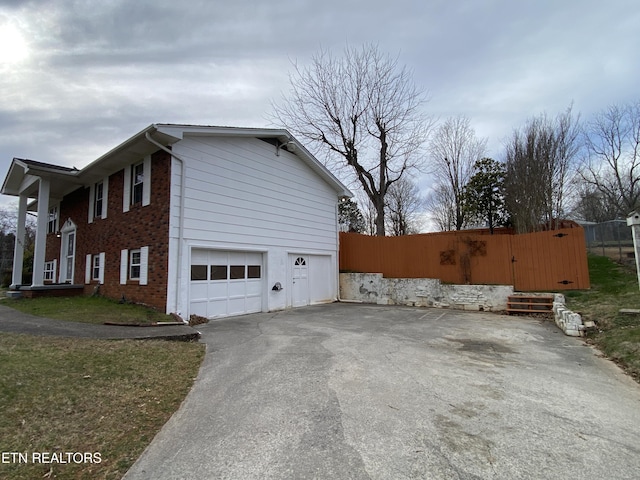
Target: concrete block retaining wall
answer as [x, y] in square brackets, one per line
[422, 292]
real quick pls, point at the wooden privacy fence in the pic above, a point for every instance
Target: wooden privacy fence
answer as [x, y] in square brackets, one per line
[541, 261]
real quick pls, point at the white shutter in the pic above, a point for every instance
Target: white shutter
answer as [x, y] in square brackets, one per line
[124, 262]
[126, 191]
[105, 197]
[102, 262]
[92, 199]
[144, 265]
[146, 184]
[87, 269]
[55, 266]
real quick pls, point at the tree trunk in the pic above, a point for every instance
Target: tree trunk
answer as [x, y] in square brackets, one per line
[379, 204]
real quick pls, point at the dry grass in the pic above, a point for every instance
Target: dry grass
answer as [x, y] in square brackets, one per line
[75, 395]
[613, 286]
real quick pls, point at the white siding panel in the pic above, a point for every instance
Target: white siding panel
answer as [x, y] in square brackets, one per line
[239, 191]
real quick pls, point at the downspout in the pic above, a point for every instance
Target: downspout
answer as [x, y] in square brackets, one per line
[340, 200]
[180, 219]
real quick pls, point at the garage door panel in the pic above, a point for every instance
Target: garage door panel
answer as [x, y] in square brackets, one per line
[199, 291]
[237, 289]
[218, 290]
[217, 308]
[216, 257]
[254, 258]
[237, 306]
[254, 287]
[234, 283]
[199, 308]
[199, 257]
[254, 304]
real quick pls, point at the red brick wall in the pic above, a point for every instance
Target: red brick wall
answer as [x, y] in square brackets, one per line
[139, 227]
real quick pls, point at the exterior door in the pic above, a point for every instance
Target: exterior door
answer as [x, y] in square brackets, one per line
[68, 253]
[300, 279]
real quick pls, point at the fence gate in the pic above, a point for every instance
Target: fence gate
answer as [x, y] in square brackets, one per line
[550, 260]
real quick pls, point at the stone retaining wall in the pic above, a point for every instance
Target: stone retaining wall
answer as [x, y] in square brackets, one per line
[569, 322]
[422, 292]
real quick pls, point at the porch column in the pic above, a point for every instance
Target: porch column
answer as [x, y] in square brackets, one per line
[18, 251]
[41, 232]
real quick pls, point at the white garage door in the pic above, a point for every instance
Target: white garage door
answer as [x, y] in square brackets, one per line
[225, 283]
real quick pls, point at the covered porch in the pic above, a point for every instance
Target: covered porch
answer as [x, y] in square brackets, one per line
[39, 188]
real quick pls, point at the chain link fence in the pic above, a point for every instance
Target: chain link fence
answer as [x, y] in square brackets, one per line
[612, 239]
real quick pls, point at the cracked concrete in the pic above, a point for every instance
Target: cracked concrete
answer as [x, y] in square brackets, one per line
[374, 392]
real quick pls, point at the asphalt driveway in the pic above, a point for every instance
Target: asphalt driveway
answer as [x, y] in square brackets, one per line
[366, 392]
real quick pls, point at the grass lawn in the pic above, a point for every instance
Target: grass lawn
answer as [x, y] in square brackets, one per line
[72, 396]
[613, 287]
[86, 309]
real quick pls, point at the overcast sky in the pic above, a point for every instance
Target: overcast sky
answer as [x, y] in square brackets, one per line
[79, 77]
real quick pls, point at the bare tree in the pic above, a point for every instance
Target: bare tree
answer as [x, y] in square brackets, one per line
[442, 207]
[539, 161]
[405, 204]
[592, 206]
[454, 151]
[364, 111]
[612, 166]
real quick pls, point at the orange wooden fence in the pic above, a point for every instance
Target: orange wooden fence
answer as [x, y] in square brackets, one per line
[541, 261]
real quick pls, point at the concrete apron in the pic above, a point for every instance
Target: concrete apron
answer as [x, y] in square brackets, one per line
[370, 392]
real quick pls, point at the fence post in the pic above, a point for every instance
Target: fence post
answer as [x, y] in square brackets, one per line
[633, 221]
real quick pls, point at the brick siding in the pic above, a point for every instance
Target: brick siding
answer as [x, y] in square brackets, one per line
[140, 226]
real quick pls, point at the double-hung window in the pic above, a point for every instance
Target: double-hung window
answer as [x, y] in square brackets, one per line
[95, 268]
[134, 264]
[50, 271]
[98, 193]
[52, 221]
[95, 275]
[98, 200]
[137, 183]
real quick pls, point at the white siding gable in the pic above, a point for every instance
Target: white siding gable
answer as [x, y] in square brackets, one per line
[241, 190]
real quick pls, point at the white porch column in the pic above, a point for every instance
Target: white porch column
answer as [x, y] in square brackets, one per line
[41, 232]
[18, 251]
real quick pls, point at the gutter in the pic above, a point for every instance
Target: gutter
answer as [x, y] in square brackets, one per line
[180, 218]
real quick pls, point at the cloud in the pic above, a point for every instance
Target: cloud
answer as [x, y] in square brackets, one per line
[97, 72]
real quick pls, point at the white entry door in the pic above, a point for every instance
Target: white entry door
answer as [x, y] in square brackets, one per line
[300, 279]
